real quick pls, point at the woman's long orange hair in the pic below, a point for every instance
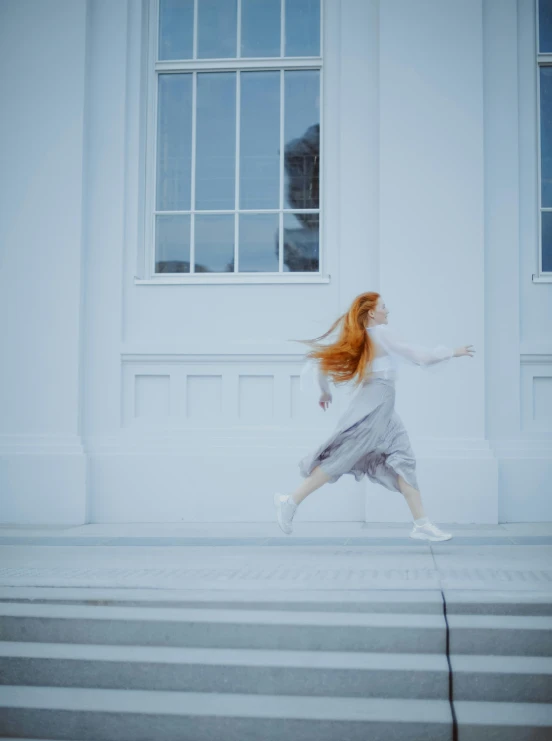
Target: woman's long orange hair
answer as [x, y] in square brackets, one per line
[348, 357]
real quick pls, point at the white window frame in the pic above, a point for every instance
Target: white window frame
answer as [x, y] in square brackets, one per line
[149, 277]
[543, 60]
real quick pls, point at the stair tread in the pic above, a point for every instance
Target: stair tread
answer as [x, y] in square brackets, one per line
[226, 704]
[151, 597]
[226, 656]
[525, 714]
[501, 664]
[266, 617]
[500, 622]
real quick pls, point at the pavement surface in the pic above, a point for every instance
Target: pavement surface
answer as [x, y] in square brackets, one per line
[334, 559]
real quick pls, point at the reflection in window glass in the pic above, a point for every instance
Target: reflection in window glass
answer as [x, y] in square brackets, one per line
[302, 28]
[258, 243]
[214, 243]
[301, 242]
[302, 139]
[546, 241]
[172, 244]
[260, 28]
[176, 29]
[545, 26]
[546, 135]
[260, 140]
[216, 141]
[217, 29]
[174, 142]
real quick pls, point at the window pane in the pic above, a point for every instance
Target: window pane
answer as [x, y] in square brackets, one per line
[172, 244]
[260, 28]
[302, 139]
[174, 143]
[547, 242]
[217, 33]
[176, 29]
[546, 135]
[214, 243]
[216, 141]
[302, 28]
[545, 26]
[260, 140]
[258, 243]
[301, 242]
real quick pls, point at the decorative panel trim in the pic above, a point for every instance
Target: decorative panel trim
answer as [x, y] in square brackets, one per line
[526, 447]
[534, 364]
[207, 358]
[47, 444]
[536, 356]
[271, 439]
[230, 367]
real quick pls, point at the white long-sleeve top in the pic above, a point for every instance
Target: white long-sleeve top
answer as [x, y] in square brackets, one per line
[391, 351]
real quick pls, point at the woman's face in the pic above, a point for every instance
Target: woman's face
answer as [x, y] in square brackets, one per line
[379, 314]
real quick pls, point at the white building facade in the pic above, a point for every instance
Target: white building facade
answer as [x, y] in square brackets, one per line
[188, 187]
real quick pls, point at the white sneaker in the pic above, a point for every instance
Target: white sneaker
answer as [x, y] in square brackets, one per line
[285, 509]
[429, 531]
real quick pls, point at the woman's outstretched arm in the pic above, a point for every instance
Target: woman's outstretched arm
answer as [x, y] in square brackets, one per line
[313, 372]
[323, 381]
[415, 354]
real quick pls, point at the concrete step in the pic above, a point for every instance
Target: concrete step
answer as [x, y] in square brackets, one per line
[136, 715]
[478, 602]
[500, 635]
[247, 671]
[133, 671]
[268, 629]
[518, 679]
[503, 721]
[398, 601]
[458, 602]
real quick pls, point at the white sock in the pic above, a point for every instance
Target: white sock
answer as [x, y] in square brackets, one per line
[290, 503]
[421, 521]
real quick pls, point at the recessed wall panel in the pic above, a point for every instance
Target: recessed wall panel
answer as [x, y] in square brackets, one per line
[542, 400]
[256, 398]
[298, 400]
[204, 397]
[151, 396]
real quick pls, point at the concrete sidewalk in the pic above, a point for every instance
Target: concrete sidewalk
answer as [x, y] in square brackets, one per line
[332, 558]
[341, 630]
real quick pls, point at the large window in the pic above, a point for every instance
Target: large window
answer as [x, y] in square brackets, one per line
[544, 68]
[234, 160]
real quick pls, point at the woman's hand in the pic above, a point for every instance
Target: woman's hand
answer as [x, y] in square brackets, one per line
[325, 400]
[465, 350]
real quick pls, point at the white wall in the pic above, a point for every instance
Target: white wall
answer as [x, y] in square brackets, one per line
[42, 58]
[189, 394]
[522, 375]
[432, 240]
[238, 426]
[395, 131]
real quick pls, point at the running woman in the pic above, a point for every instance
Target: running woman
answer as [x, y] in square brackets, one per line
[369, 438]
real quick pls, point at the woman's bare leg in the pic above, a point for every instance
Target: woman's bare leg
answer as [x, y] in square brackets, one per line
[413, 499]
[310, 484]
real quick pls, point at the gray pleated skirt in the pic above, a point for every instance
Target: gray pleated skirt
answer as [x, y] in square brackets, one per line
[368, 440]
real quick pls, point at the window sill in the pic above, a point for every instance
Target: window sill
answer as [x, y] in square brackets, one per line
[545, 278]
[202, 278]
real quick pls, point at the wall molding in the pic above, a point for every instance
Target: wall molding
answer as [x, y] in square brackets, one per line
[271, 439]
[204, 356]
[536, 358]
[46, 444]
[525, 448]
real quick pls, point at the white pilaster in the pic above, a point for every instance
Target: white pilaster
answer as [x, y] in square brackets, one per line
[42, 464]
